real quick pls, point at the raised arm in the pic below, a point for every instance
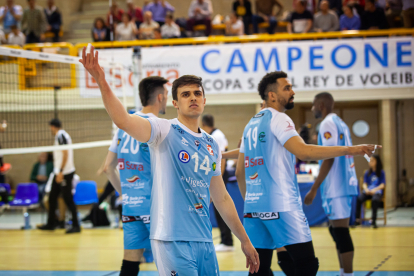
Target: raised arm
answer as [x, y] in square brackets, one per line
[137, 127]
[111, 171]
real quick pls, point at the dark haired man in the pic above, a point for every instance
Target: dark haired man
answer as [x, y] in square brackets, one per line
[185, 164]
[274, 217]
[134, 180]
[64, 170]
[337, 179]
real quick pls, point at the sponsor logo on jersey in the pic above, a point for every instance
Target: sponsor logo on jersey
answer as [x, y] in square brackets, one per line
[133, 179]
[352, 165]
[178, 128]
[263, 215]
[258, 115]
[207, 138]
[121, 163]
[198, 206]
[134, 166]
[254, 176]
[184, 142]
[144, 147]
[353, 181]
[214, 166]
[174, 273]
[198, 144]
[262, 136]
[194, 182]
[327, 135]
[341, 136]
[289, 126]
[253, 162]
[184, 156]
[210, 150]
[145, 219]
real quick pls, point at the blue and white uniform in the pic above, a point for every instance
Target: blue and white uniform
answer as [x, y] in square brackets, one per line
[341, 183]
[273, 208]
[183, 163]
[134, 166]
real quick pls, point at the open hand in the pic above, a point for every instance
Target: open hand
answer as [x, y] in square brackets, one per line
[91, 63]
[252, 257]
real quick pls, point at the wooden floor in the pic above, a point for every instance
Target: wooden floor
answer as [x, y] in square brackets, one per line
[101, 250]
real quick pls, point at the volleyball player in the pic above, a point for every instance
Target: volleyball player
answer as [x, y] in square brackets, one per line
[337, 179]
[185, 164]
[134, 180]
[274, 217]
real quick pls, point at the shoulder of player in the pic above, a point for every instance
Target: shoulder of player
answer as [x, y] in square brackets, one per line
[328, 122]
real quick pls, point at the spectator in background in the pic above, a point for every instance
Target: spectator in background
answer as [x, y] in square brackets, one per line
[234, 26]
[16, 37]
[358, 5]
[126, 30]
[41, 172]
[157, 33]
[301, 19]
[159, 9]
[170, 29]
[373, 18]
[264, 13]
[199, 13]
[116, 14]
[135, 13]
[34, 23]
[10, 15]
[393, 13]
[54, 19]
[372, 188]
[326, 20]
[3, 39]
[310, 5]
[146, 29]
[349, 20]
[408, 13]
[336, 6]
[100, 32]
[243, 9]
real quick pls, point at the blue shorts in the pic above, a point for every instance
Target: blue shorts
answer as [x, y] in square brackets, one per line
[338, 207]
[181, 258]
[271, 230]
[136, 232]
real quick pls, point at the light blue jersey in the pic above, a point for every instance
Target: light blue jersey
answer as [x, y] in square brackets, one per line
[134, 166]
[269, 167]
[183, 163]
[341, 179]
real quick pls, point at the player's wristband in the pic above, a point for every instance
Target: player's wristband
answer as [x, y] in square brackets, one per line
[61, 170]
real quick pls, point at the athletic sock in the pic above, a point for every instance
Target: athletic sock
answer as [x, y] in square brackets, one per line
[286, 263]
[341, 272]
[129, 268]
[348, 274]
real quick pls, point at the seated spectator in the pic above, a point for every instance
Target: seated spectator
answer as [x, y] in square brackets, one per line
[54, 19]
[159, 9]
[357, 5]
[373, 18]
[373, 186]
[408, 13]
[393, 13]
[157, 33]
[116, 14]
[170, 29]
[3, 39]
[264, 10]
[349, 20]
[300, 20]
[326, 20]
[146, 29]
[16, 37]
[310, 5]
[100, 32]
[199, 13]
[10, 15]
[336, 6]
[34, 23]
[234, 26]
[126, 30]
[243, 9]
[135, 13]
[41, 172]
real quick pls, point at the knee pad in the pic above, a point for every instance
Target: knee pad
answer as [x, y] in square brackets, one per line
[307, 267]
[333, 236]
[343, 239]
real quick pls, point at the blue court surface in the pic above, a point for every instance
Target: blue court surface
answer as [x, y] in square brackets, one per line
[154, 273]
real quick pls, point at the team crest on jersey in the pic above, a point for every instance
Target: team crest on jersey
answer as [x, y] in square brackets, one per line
[119, 141]
[210, 150]
[178, 128]
[262, 136]
[341, 136]
[133, 179]
[214, 166]
[327, 135]
[184, 156]
[121, 163]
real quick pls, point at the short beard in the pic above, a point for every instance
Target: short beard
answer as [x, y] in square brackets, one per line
[318, 114]
[289, 106]
[286, 104]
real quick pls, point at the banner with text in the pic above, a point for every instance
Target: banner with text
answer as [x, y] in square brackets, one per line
[310, 65]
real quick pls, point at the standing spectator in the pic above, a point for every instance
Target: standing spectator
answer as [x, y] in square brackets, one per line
[199, 13]
[126, 30]
[10, 15]
[159, 9]
[146, 29]
[41, 172]
[358, 5]
[116, 14]
[373, 18]
[16, 37]
[349, 20]
[135, 13]
[100, 32]
[373, 187]
[234, 26]
[326, 20]
[300, 20]
[393, 13]
[34, 23]
[54, 19]
[336, 6]
[64, 170]
[264, 10]
[243, 9]
[408, 13]
[170, 29]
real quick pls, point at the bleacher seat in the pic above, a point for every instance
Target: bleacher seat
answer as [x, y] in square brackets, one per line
[86, 193]
[27, 197]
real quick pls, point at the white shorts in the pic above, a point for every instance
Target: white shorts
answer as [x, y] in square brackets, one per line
[338, 207]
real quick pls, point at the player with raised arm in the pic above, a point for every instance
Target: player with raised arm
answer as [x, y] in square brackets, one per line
[274, 217]
[337, 179]
[134, 180]
[185, 164]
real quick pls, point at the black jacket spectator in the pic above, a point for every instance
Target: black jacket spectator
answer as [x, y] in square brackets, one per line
[373, 17]
[54, 20]
[243, 9]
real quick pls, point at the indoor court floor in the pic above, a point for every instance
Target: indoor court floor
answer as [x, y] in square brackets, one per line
[387, 251]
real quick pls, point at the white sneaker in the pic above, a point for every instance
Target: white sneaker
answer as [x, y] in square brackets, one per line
[223, 248]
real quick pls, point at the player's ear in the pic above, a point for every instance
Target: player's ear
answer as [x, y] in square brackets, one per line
[175, 104]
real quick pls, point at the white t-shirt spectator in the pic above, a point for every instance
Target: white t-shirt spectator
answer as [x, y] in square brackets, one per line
[19, 39]
[239, 26]
[220, 138]
[125, 32]
[147, 30]
[170, 31]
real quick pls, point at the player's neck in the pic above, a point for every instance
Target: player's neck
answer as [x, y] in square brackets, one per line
[325, 113]
[150, 109]
[190, 122]
[276, 106]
